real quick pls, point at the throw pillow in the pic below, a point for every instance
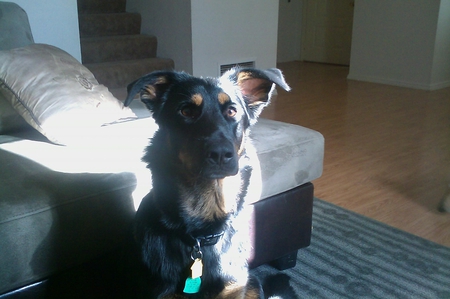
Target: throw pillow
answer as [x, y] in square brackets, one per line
[56, 94]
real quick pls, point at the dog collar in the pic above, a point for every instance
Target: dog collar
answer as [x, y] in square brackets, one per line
[201, 241]
[208, 240]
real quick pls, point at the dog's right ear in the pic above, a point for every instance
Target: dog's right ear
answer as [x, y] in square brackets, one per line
[151, 88]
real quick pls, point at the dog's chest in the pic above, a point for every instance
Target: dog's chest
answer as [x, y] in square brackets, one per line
[226, 258]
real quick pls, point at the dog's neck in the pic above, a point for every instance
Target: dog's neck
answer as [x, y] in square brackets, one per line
[210, 200]
[201, 208]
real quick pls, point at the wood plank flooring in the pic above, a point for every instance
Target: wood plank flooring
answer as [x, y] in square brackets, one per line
[387, 149]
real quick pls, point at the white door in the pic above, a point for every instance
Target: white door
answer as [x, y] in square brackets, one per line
[327, 31]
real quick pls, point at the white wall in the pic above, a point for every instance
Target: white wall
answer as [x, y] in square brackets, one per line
[170, 22]
[54, 22]
[441, 63]
[231, 31]
[289, 30]
[202, 34]
[394, 42]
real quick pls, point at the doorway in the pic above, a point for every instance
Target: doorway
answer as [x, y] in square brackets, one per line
[327, 31]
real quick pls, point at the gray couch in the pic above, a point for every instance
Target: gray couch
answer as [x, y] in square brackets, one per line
[71, 175]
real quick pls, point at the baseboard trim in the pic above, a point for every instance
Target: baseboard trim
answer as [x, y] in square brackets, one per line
[400, 83]
[440, 85]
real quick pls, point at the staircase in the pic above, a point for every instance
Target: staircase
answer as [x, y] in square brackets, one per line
[112, 47]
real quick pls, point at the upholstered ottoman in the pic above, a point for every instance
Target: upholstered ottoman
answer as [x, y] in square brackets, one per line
[291, 157]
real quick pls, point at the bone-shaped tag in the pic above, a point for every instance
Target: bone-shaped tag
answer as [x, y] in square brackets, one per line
[197, 268]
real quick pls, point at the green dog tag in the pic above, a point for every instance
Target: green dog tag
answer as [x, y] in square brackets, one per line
[192, 285]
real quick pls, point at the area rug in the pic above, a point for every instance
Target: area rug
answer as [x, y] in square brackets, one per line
[352, 256]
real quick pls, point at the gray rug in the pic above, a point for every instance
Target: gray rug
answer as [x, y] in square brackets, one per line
[352, 256]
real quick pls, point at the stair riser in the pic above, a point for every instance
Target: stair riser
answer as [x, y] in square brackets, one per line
[101, 6]
[109, 24]
[119, 75]
[118, 48]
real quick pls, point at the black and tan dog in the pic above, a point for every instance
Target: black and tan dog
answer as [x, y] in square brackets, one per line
[192, 228]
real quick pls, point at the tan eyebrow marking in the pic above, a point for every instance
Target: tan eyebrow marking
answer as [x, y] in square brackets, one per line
[223, 98]
[197, 99]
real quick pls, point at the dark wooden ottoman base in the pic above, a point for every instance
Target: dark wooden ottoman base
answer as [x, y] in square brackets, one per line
[281, 225]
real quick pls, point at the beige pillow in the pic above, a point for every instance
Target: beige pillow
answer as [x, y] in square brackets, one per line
[56, 94]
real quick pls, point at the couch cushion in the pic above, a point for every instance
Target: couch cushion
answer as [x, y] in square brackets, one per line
[50, 221]
[10, 120]
[56, 94]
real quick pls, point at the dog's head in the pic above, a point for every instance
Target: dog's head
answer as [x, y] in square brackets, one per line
[204, 122]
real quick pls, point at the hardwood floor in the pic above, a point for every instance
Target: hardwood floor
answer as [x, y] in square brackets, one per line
[387, 149]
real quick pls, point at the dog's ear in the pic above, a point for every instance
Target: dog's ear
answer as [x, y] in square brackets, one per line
[151, 88]
[257, 86]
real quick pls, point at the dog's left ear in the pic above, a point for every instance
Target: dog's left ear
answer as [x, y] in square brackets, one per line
[152, 87]
[257, 86]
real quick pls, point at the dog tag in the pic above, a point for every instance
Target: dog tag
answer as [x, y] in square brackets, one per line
[197, 268]
[192, 285]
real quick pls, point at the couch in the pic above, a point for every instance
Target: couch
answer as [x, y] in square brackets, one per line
[71, 175]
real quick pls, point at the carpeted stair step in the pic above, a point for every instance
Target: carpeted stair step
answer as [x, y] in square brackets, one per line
[101, 6]
[107, 24]
[119, 74]
[116, 48]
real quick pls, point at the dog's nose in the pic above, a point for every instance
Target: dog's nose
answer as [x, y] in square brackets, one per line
[220, 156]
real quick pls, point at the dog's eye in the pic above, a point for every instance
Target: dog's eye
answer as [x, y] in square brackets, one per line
[190, 111]
[231, 111]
